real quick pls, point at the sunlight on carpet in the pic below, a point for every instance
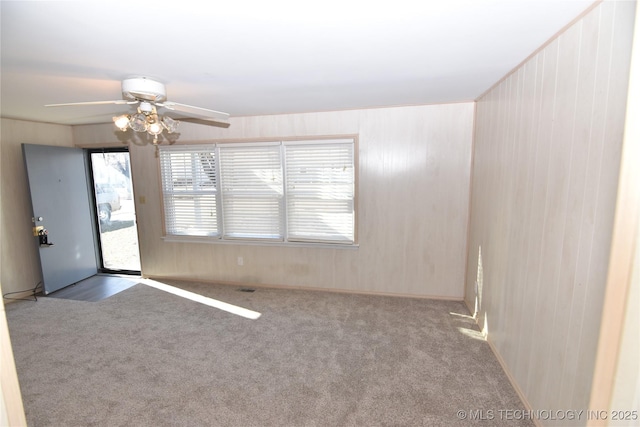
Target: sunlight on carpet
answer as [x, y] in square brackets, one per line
[469, 331]
[230, 308]
[472, 333]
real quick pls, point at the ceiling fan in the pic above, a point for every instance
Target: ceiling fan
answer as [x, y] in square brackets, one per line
[150, 95]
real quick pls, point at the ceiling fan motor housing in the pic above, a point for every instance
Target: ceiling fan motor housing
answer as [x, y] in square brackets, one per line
[143, 88]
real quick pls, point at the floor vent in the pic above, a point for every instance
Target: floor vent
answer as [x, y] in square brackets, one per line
[246, 290]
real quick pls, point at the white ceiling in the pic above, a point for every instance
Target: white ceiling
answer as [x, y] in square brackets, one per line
[265, 56]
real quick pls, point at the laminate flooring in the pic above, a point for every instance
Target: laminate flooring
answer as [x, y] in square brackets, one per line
[96, 288]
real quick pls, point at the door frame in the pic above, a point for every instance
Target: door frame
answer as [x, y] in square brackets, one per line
[94, 208]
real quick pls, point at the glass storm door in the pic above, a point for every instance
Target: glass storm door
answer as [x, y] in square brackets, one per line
[118, 233]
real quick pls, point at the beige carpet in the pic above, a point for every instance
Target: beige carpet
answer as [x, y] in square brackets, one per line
[145, 357]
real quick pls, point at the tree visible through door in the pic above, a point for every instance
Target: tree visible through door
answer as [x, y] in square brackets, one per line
[115, 210]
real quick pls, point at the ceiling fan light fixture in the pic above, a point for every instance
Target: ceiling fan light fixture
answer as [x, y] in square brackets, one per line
[122, 122]
[169, 124]
[146, 120]
[150, 94]
[138, 122]
[154, 127]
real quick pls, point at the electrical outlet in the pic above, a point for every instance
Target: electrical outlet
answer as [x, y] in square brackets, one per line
[240, 261]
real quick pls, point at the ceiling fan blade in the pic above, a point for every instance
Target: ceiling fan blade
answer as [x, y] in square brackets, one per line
[117, 102]
[196, 111]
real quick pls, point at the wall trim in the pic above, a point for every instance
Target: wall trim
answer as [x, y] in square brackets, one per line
[106, 145]
[355, 109]
[467, 245]
[303, 288]
[506, 369]
[512, 380]
[623, 247]
[542, 47]
[242, 140]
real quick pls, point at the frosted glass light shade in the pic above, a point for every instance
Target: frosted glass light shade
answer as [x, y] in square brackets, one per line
[154, 128]
[138, 122]
[169, 124]
[122, 122]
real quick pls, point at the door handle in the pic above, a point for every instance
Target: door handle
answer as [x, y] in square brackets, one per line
[43, 236]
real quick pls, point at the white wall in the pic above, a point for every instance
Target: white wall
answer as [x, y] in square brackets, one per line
[414, 166]
[546, 163]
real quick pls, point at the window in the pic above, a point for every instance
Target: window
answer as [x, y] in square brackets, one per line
[320, 191]
[190, 191]
[251, 178]
[292, 191]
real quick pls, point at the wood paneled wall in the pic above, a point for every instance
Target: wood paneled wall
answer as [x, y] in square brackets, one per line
[11, 408]
[19, 251]
[414, 174]
[546, 163]
[19, 260]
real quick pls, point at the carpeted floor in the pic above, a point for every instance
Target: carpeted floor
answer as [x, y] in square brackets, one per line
[144, 357]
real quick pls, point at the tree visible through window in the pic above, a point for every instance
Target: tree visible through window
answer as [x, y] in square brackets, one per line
[292, 191]
[190, 193]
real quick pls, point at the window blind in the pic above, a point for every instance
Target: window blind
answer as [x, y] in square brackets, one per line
[252, 191]
[190, 190]
[294, 191]
[320, 191]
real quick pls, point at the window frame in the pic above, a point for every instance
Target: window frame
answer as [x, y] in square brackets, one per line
[185, 150]
[281, 142]
[295, 195]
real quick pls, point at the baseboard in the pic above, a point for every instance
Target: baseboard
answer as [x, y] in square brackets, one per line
[505, 369]
[512, 380]
[471, 310]
[303, 288]
[28, 295]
